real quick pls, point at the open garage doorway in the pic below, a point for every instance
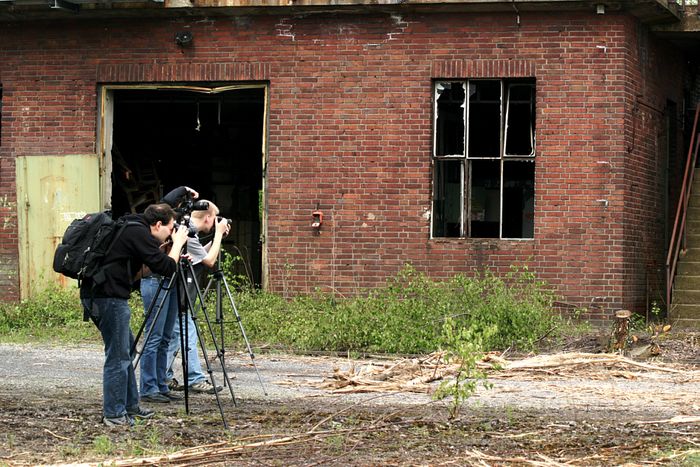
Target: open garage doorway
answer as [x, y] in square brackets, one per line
[211, 139]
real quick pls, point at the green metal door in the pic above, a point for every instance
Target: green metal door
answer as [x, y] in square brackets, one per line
[51, 192]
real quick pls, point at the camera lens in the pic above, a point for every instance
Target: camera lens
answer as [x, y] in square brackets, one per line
[200, 206]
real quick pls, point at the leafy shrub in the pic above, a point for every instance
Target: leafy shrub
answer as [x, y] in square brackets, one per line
[55, 307]
[405, 316]
[517, 306]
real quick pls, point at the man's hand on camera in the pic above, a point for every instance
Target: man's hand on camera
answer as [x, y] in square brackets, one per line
[222, 227]
[179, 238]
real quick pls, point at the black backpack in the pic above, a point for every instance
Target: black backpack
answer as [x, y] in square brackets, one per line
[85, 244]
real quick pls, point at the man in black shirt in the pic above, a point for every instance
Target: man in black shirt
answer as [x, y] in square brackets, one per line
[107, 303]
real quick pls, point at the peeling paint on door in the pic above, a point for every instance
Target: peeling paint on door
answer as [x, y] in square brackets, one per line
[51, 192]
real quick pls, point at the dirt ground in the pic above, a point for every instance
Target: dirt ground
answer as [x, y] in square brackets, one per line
[634, 412]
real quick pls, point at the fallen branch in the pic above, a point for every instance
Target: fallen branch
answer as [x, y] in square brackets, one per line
[682, 454]
[578, 359]
[544, 462]
[333, 415]
[55, 435]
[672, 421]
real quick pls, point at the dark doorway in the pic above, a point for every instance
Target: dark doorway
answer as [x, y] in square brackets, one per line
[212, 142]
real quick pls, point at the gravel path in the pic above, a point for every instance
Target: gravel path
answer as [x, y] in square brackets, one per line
[43, 368]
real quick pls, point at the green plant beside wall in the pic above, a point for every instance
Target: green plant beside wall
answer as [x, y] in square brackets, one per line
[406, 316]
[54, 313]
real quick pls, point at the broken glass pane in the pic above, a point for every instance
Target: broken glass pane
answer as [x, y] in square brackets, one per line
[520, 125]
[449, 126]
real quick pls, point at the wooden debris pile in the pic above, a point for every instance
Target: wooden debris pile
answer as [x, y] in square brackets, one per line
[579, 365]
[404, 375]
[417, 374]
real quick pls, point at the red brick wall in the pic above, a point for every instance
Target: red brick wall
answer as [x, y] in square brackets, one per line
[350, 129]
[655, 73]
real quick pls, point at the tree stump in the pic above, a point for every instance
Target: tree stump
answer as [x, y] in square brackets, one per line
[621, 329]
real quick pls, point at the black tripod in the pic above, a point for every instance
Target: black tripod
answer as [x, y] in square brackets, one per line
[183, 282]
[219, 278]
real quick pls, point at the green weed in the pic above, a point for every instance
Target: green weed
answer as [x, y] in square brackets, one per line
[102, 445]
[69, 451]
[54, 314]
[10, 440]
[465, 346]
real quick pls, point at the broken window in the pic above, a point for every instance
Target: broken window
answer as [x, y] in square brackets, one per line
[484, 148]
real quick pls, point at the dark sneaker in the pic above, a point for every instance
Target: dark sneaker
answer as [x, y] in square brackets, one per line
[172, 396]
[140, 413]
[174, 385]
[205, 387]
[157, 398]
[124, 420]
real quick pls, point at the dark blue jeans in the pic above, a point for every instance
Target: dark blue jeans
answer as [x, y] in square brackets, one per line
[154, 357]
[119, 390]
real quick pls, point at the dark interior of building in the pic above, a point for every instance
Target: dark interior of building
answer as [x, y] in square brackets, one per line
[211, 142]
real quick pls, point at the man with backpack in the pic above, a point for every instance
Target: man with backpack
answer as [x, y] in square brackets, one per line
[107, 305]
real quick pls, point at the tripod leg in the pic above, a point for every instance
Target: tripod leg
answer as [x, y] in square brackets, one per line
[135, 354]
[190, 307]
[182, 324]
[187, 303]
[219, 350]
[245, 338]
[220, 316]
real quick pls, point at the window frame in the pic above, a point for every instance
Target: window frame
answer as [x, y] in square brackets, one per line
[467, 159]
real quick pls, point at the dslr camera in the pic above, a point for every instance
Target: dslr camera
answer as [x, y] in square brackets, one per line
[189, 205]
[184, 210]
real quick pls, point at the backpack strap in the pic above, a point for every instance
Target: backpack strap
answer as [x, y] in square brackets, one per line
[101, 274]
[99, 278]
